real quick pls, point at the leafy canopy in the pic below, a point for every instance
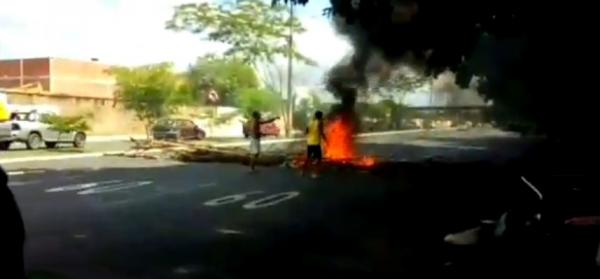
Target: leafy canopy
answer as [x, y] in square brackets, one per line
[252, 99]
[152, 91]
[254, 30]
[67, 124]
[226, 76]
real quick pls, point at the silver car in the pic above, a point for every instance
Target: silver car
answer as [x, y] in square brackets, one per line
[26, 128]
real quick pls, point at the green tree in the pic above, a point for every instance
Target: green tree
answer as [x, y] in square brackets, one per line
[224, 75]
[252, 99]
[67, 124]
[152, 91]
[255, 31]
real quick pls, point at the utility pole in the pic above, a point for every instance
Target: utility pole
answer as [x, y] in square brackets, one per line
[290, 97]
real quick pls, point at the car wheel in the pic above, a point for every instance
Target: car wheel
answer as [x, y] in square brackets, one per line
[201, 135]
[79, 140]
[34, 141]
[5, 145]
[50, 144]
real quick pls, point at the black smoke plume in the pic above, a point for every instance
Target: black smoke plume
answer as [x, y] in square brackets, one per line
[524, 54]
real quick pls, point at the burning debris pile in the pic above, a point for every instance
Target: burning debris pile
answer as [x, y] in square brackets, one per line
[340, 147]
[200, 153]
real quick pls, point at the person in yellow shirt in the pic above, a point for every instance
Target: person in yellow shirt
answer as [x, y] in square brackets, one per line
[314, 136]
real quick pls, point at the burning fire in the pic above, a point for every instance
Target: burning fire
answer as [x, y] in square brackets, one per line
[340, 145]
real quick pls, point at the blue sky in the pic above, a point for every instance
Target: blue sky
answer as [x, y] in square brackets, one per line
[131, 32]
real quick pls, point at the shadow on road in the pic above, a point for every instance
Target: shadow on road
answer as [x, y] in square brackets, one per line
[379, 224]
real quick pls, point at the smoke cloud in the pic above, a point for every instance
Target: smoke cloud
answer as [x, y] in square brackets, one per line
[430, 36]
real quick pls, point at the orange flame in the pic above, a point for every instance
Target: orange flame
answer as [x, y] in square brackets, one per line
[340, 145]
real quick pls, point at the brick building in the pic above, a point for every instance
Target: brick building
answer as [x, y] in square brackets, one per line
[59, 76]
[71, 85]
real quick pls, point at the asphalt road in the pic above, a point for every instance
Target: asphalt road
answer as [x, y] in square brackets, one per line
[18, 150]
[133, 218]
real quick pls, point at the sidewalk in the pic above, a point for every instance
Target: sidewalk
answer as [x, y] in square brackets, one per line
[93, 138]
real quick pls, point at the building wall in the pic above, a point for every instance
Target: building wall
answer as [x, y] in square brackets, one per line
[75, 87]
[107, 119]
[81, 78]
[33, 70]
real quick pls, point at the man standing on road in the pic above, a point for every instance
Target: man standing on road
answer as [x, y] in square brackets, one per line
[255, 135]
[314, 134]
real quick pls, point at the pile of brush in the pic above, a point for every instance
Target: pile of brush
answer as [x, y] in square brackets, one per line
[203, 153]
[208, 154]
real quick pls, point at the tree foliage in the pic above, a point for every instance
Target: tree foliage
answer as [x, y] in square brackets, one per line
[152, 91]
[68, 124]
[252, 99]
[224, 75]
[255, 31]
[306, 108]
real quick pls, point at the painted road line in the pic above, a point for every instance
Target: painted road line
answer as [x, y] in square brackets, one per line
[50, 157]
[22, 183]
[229, 231]
[18, 173]
[363, 135]
[271, 200]
[82, 186]
[53, 157]
[113, 188]
[232, 144]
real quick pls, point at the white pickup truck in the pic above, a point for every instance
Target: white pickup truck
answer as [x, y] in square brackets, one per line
[26, 128]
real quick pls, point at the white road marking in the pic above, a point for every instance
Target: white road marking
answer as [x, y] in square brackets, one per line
[113, 188]
[206, 185]
[18, 173]
[50, 157]
[364, 135]
[230, 199]
[22, 183]
[82, 186]
[530, 185]
[271, 200]
[233, 144]
[229, 231]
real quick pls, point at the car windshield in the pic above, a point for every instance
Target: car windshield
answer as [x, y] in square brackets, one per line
[25, 116]
[166, 123]
[298, 139]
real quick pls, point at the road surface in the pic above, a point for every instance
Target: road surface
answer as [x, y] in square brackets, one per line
[18, 150]
[112, 217]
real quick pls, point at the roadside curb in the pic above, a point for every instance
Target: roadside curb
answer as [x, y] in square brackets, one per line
[51, 157]
[232, 144]
[92, 138]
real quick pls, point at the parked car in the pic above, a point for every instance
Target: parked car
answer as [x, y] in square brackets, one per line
[268, 129]
[177, 129]
[27, 128]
